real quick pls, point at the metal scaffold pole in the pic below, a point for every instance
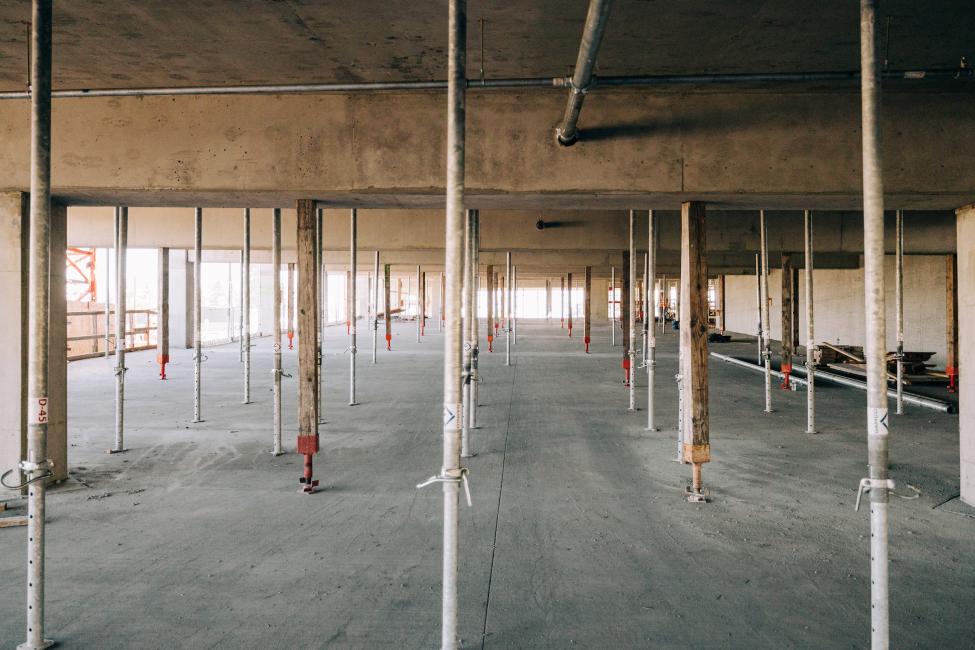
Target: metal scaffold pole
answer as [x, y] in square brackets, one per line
[651, 331]
[108, 302]
[451, 473]
[875, 348]
[612, 305]
[507, 310]
[37, 467]
[812, 350]
[352, 305]
[631, 324]
[276, 302]
[467, 297]
[764, 306]
[377, 291]
[245, 306]
[321, 312]
[899, 300]
[474, 342]
[121, 251]
[197, 313]
[162, 323]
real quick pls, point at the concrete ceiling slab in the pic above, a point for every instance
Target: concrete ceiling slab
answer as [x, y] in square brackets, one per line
[158, 43]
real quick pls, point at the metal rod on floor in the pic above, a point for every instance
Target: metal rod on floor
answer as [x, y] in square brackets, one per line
[375, 311]
[37, 467]
[162, 323]
[122, 249]
[631, 301]
[245, 306]
[899, 299]
[467, 297]
[353, 235]
[651, 331]
[197, 313]
[507, 310]
[764, 306]
[875, 348]
[276, 301]
[812, 350]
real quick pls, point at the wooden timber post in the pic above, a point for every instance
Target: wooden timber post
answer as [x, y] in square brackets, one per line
[790, 316]
[588, 307]
[694, 343]
[307, 353]
[951, 321]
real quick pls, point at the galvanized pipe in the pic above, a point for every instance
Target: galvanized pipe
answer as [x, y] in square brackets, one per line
[375, 312]
[651, 331]
[108, 301]
[475, 336]
[419, 307]
[631, 298]
[467, 310]
[162, 322]
[557, 83]
[507, 310]
[764, 306]
[451, 473]
[351, 309]
[899, 299]
[514, 305]
[643, 298]
[758, 306]
[37, 465]
[612, 302]
[245, 307]
[121, 250]
[197, 312]
[875, 348]
[276, 301]
[322, 311]
[811, 348]
[592, 34]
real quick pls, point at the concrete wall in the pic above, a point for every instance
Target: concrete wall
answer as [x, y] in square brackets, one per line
[839, 315]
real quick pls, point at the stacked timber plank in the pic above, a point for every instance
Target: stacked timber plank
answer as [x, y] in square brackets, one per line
[849, 359]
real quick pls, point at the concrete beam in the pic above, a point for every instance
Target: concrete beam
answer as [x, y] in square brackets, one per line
[643, 148]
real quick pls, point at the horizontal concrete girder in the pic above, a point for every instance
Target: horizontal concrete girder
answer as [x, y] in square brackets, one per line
[640, 149]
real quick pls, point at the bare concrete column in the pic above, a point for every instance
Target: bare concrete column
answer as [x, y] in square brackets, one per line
[694, 343]
[307, 363]
[966, 350]
[121, 340]
[162, 320]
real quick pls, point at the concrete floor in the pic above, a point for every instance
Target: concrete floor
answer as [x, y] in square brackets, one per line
[578, 537]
